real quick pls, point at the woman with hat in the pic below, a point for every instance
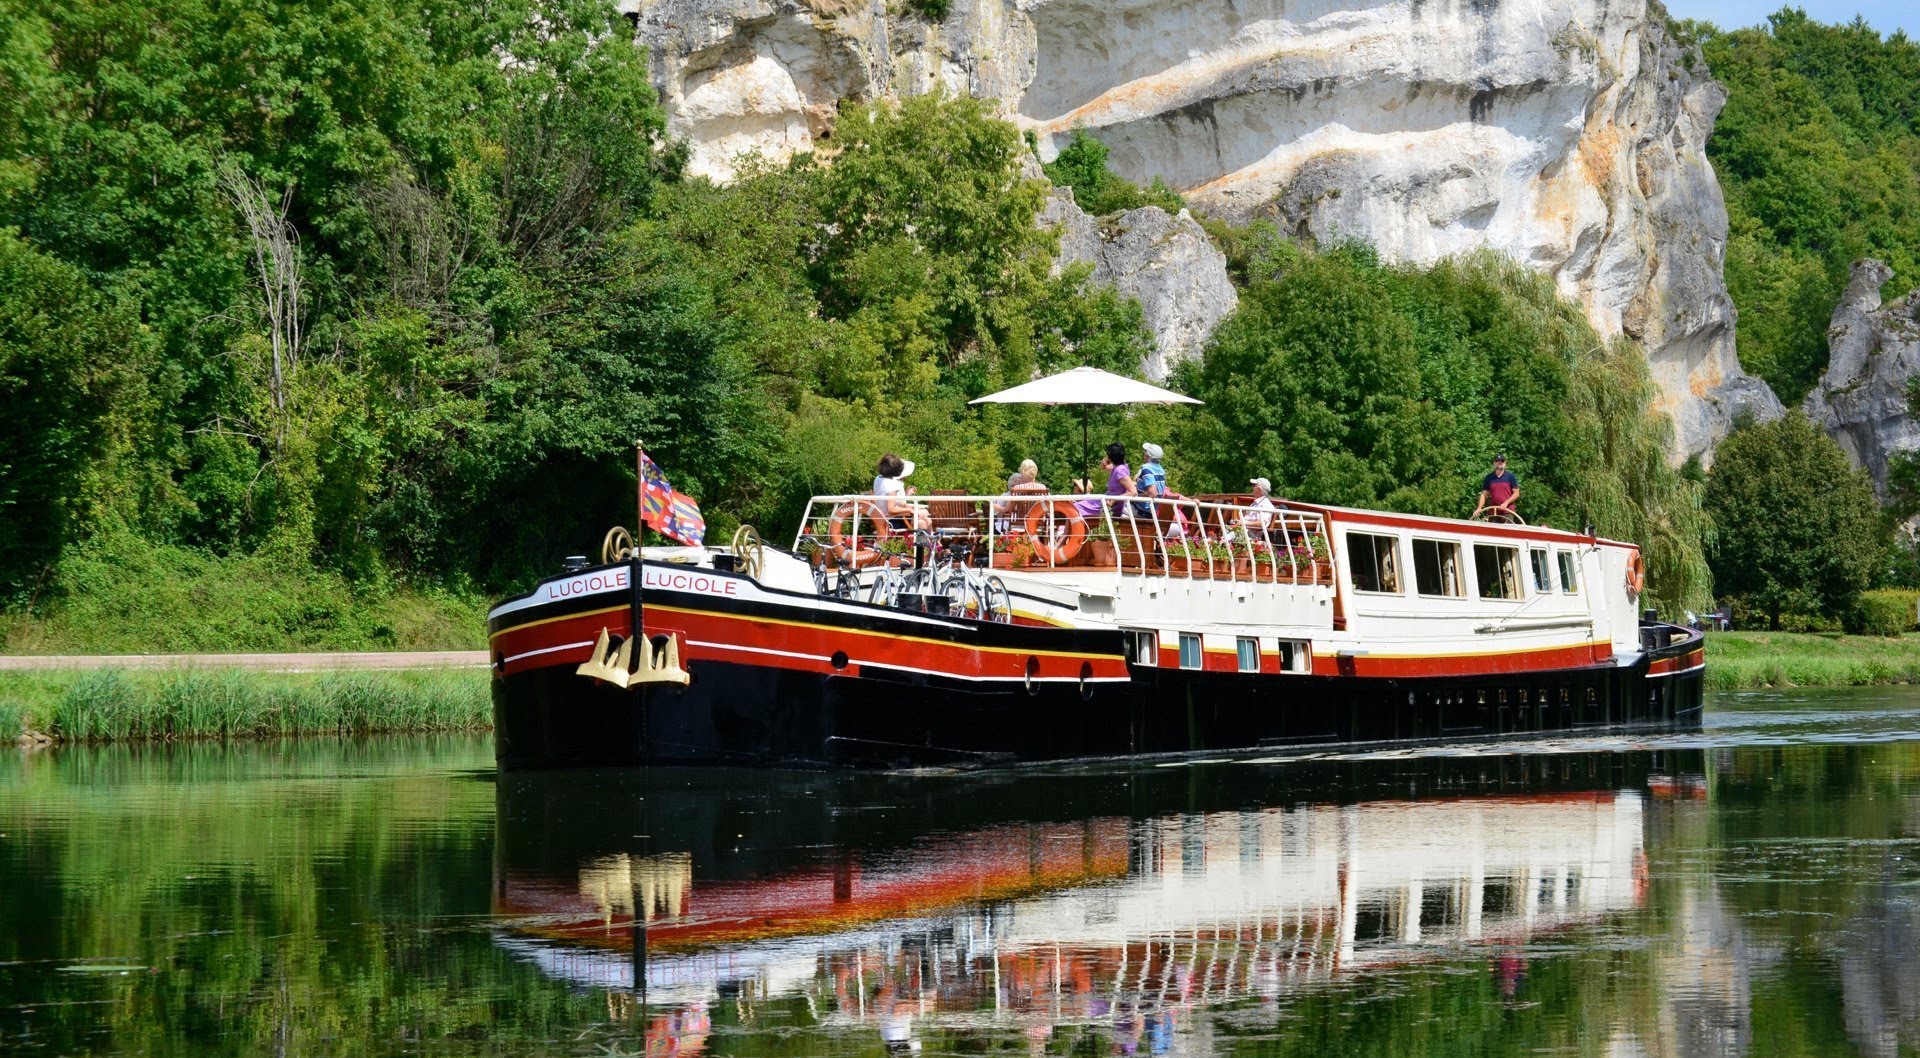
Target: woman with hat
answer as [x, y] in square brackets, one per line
[889, 484]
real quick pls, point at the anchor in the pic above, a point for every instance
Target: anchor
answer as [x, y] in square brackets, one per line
[621, 668]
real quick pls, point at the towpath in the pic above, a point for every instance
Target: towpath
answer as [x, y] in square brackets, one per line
[317, 662]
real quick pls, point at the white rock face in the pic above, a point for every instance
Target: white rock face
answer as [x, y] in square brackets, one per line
[1567, 134]
[1164, 262]
[1873, 353]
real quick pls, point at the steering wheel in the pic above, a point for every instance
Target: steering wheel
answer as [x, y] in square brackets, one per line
[617, 546]
[750, 551]
[1498, 516]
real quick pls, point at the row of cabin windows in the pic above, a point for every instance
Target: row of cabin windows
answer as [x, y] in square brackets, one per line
[1146, 651]
[1373, 561]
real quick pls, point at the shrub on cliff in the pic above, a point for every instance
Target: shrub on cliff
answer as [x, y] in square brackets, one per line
[1818, 151]
[1798, 529]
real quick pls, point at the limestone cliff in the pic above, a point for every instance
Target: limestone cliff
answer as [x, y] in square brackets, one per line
[1874, 352]
[1568, 134]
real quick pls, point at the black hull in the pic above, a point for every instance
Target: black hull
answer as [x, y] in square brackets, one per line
[747, 715]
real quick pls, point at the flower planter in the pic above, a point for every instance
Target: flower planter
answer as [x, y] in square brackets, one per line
[1098, 553]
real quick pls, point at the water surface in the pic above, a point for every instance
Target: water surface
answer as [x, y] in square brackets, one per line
[1751, 887]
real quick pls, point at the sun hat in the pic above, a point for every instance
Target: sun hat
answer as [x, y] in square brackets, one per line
[1265, 485]
[1153, 451]
[906, 467]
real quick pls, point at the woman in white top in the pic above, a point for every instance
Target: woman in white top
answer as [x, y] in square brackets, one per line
[890, 486]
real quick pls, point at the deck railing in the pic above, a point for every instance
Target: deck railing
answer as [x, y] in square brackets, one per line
[1215, 538]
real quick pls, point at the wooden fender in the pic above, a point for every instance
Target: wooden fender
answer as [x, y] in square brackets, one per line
[1069, 531]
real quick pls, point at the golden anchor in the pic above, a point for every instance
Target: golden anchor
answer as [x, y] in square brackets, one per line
[621, 668]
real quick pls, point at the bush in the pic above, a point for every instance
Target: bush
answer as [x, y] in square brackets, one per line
[1888, 612]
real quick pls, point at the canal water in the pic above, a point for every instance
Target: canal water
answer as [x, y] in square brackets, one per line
[1751, 888]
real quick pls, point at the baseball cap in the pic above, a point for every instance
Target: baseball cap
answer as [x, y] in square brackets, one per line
[1153, 451]
[1501, 458]
[1265, 485]
[906, 467]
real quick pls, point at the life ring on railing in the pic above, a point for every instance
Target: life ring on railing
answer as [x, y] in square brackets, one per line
[871, 525]
[1636, 574]
[1063, 540]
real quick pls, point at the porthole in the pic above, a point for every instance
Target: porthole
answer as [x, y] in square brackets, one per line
[839, 659]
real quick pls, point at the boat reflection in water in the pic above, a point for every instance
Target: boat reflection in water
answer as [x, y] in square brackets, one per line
[1121, 900]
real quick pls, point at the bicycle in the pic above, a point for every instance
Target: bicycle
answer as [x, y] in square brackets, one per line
[972, 592]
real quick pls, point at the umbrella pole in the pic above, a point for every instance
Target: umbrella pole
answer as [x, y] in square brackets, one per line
[1086, 471]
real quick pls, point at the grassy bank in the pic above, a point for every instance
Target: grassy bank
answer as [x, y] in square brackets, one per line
[118, 595]
[1748, 660]
[106, 705]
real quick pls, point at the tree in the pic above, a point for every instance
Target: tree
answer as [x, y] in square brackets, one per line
[1798, 528]
[72, 367]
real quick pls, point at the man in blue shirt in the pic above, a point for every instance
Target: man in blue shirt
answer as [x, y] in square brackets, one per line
[1499, 491]
[1152, 479]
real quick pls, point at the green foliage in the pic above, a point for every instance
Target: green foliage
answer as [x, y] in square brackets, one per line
[931, 10]
[73, 366]
[119, 594]
[1082, 165]
[1349, 382]
[1822, 535]
[1886, 612]
[1818, 152]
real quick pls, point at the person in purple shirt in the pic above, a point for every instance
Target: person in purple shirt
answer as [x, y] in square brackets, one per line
[1499, 491]
[1119, 479]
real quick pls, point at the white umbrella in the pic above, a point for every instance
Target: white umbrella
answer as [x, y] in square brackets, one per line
[1085, 386]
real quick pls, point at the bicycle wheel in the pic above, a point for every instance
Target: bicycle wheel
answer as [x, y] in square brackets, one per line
[997, 604]
[886, 588]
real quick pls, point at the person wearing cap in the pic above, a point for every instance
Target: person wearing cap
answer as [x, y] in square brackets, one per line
[889, 484]
[1259, 514]
[1152, 480]
[1499, 491]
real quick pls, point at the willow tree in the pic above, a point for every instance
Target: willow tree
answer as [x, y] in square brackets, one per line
[1629, 490]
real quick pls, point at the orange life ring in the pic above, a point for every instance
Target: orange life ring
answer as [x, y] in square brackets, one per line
[1636, 574]
[1068, 531]
[871, 525]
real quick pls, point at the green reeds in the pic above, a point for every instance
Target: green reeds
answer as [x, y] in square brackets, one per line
[112, 705]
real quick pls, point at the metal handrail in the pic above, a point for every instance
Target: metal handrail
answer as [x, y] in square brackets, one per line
[1150, 535]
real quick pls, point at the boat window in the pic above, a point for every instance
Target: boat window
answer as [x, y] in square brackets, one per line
[1542, 569]
[1190, 655]
[1568, 582]
[1293, 655]
[1372, 564]
[1249, 654]
[1436, 568]
[1146, 648]
[1498, 571]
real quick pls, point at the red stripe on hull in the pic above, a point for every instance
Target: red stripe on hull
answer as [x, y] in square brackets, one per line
[712, 636]
[1546, 660]
[1693, 659]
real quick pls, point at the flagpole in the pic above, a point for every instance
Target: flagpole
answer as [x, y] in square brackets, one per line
[639, 491]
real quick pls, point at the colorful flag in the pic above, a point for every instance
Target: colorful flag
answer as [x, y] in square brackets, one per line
[673, 514]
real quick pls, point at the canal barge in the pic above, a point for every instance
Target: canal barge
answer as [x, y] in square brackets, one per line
[1012, 629]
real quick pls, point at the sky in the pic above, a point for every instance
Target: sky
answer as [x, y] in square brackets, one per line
[1883, 15]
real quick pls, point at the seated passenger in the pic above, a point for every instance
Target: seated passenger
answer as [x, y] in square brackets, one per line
[1119, 480]
[889, 484]
[1152, 481]
[1258, 515]
[1024, 482]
